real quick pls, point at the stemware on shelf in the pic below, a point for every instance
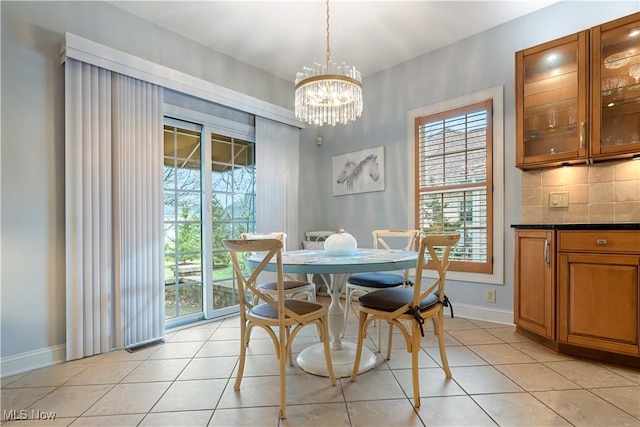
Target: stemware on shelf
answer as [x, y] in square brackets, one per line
[634, 71]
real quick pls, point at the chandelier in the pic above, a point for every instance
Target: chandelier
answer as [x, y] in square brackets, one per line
[330, 93]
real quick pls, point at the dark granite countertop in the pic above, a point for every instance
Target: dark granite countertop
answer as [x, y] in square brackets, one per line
[591, 226]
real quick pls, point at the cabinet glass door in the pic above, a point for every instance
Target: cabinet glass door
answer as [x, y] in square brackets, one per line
[553, 93]
[616, 87]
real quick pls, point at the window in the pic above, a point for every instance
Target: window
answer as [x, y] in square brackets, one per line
[454, 181]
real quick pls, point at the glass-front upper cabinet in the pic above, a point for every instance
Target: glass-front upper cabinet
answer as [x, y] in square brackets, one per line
[615, 88]
[551, 103]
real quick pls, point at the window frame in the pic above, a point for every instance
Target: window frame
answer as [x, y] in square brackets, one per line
[487, 184]
[497, 167]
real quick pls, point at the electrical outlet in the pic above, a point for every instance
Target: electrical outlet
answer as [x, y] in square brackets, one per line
[559, 199]
[490, 296]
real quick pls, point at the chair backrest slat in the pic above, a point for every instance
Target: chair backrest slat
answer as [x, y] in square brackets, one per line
[249, 284]
[261, 236]
[271, 248]
[431, 244]
[379, 237]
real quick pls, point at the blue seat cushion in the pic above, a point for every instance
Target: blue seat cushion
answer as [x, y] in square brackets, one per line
[377, 280]
[394, 298]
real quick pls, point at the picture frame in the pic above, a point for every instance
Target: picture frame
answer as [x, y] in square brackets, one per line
[358, 172]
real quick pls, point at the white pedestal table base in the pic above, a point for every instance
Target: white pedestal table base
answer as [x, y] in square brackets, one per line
[312, 360]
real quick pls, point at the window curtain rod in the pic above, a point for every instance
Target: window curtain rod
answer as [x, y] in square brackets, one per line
[102, 56]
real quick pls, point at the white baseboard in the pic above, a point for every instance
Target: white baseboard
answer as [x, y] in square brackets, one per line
[24, 362]
[478, 312]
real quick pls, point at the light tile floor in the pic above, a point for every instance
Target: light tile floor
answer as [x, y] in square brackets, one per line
[499, 378]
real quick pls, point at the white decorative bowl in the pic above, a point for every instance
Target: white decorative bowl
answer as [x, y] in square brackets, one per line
[341, 243]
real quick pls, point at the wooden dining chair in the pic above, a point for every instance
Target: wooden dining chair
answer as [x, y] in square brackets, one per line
[282, 318]
[293, 288]
[363, 283]
[415, 305]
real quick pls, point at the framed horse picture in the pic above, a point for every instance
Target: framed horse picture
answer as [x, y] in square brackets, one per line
[358, 172]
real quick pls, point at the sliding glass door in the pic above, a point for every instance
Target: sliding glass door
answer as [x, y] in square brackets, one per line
[183, 273]
[205, 201]
[232, 201]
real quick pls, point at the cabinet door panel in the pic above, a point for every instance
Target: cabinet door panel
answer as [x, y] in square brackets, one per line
[534, 293]
[551, 103]
[599, 302]
[615, 89]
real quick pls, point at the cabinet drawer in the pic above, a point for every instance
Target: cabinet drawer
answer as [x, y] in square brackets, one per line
[599, 241]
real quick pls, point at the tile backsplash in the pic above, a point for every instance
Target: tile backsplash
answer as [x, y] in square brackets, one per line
[601, 192]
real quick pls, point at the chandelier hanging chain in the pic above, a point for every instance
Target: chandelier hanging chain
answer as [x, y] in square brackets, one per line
[328, 45]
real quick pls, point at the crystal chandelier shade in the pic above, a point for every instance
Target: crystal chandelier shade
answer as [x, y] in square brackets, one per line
[330, 93]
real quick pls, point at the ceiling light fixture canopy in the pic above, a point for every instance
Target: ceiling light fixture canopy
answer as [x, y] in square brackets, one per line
[330, 93]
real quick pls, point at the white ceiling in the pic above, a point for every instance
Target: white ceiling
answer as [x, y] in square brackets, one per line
[281, 37]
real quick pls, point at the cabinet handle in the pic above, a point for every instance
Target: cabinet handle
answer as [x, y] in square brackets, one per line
[601, 241]
[581, 134]
[546, 252]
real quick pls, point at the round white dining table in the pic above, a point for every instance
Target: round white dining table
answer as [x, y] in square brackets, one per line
[335, 271]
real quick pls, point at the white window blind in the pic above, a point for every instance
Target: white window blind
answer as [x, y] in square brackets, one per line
[454, 181]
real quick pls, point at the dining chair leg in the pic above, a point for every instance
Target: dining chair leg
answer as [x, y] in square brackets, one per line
[289, 345]
[361, 332]
[283, 371]
[415, 356]
[244, 343]
[439, 326]
[389, 341]
[327, 350]
[247, 332]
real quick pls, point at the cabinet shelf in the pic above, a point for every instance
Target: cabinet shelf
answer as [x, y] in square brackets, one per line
[559, 132]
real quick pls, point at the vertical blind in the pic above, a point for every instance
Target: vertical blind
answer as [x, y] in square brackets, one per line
[138, 210]
[277, 176]
[113, 210]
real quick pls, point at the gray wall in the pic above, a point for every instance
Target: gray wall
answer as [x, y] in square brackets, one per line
[32, 132]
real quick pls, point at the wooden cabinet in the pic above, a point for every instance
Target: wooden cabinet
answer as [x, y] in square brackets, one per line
[598, 289]
[551, 103]
[535, 301]
[577, 289]
[615, 88]
[577, 99]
